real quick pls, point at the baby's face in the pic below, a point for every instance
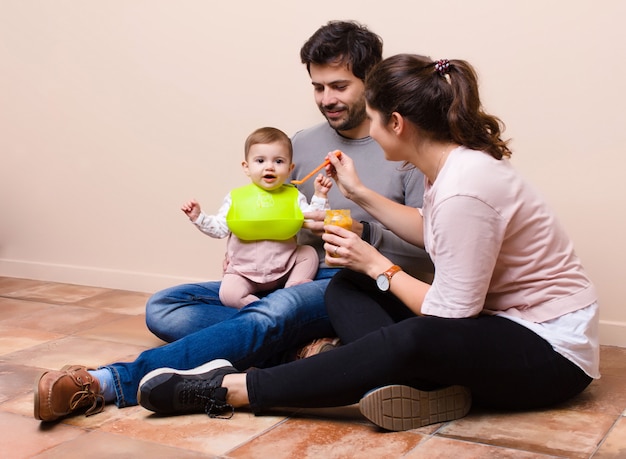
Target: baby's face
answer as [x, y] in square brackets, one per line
[268, 165]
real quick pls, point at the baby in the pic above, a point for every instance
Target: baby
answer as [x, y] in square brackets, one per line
[264, 255]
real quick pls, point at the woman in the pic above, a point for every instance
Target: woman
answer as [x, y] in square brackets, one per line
[510, 319]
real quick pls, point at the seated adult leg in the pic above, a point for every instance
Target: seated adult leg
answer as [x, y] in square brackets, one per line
[284, 319]
[185, 309]
[356, 306]
[503, 364]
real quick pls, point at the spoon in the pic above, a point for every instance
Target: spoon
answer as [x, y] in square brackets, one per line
[317, 169]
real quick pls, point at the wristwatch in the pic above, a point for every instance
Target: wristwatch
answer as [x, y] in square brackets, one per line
[383, 280]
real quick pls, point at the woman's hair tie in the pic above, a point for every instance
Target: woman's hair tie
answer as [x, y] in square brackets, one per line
[442, 66]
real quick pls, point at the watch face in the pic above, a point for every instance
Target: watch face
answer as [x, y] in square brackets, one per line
[382, 282]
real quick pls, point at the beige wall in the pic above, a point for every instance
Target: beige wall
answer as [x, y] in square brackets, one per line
[112, 113]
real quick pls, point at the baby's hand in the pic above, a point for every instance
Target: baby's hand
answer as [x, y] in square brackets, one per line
[322, 185]
[192, 209]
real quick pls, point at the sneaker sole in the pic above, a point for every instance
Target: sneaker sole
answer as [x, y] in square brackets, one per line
[398, 408]
[212, 365]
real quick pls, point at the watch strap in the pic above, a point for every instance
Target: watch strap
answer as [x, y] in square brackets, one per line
[391, 271]
[365, 235]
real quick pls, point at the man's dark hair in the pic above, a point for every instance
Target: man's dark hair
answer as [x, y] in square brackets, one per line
[346, 42]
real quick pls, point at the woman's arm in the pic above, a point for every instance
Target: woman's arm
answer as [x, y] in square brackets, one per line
[404, 221]
[350, 251]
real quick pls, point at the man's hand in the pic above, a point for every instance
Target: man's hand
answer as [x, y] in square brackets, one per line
[314, 222]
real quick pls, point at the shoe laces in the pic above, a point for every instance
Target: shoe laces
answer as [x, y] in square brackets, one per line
[86, 396]
[202, 393]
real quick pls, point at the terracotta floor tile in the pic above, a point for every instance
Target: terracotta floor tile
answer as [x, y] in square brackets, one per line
[12, 308]
[13, 338]
[300, 438]
[118, 301]
[23, 405]
[73, 350]
[22, 438]
[16, 380]
[62, 319]
[568, 433]
[446, 448]
[45, 325]
[126, 329]
[613, 360]
[195, 432]
[11, 284]
[349, 413]
[102, 445]
[56, 293]
[605, 395]
[614, 446]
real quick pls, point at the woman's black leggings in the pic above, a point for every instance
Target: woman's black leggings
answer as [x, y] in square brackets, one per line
[504, 364]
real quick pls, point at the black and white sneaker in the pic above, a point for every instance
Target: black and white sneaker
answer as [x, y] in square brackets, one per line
[169, 391]
[402, 407]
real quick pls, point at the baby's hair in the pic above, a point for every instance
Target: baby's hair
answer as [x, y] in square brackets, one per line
[266, 135]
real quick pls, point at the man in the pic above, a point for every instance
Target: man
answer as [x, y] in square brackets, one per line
[191, 317]
[337, 57]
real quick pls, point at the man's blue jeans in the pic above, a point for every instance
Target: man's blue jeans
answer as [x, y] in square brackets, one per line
[205, 330]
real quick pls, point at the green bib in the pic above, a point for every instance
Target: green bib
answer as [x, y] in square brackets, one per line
[256, 214]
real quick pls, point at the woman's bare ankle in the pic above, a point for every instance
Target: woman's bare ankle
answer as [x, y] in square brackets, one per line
[237, 394]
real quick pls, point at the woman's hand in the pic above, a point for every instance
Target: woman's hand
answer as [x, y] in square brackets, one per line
[404, 221]
[342, 170]
[346, 249]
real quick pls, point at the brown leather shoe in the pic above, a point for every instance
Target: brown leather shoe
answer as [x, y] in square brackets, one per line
[59, 393]
[317, 347]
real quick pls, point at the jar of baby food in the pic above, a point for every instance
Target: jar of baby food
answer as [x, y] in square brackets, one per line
[338, 217]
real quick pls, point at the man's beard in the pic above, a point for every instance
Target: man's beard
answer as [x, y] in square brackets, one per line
[355, 116]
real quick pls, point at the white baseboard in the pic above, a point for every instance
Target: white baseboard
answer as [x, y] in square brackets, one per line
[90, 276]
[612, 333]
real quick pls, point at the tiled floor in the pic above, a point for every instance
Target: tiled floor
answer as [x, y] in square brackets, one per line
[46, 325]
